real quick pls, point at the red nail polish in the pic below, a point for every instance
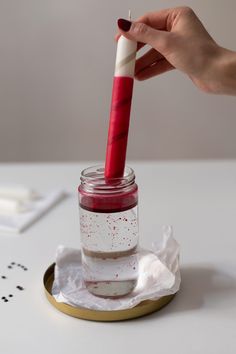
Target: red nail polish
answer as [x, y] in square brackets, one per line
[124, 25]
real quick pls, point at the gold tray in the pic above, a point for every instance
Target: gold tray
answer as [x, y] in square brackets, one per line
[142, 309]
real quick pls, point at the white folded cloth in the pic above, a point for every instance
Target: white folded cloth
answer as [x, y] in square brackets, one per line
[18, 192]
[20, 207]
[12, 206]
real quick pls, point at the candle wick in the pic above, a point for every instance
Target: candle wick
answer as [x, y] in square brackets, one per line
[129, 16]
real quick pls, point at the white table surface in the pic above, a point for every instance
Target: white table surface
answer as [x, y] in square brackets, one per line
[197, 198]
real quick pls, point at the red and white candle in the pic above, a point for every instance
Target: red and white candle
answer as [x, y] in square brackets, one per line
[120, 108]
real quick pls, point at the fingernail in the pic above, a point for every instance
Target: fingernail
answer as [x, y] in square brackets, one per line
[124, 25]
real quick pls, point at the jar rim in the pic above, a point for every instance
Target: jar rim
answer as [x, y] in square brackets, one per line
[93, 178]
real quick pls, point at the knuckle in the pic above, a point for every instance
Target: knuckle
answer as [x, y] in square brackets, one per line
[140, 28]
[147, 16]
[186, 10]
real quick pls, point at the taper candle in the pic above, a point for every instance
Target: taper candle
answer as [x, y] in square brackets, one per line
[120, 108]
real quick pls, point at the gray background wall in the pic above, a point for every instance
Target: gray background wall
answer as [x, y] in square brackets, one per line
[56, 67]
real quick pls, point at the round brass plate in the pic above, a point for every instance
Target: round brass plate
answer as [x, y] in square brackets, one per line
[142, 309]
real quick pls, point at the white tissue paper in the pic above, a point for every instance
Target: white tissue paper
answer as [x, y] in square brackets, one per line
[18, 211]
[159, 275]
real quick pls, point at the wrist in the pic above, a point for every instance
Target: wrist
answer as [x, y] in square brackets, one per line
[223, 72]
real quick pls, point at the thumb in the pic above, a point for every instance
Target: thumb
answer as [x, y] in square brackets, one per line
[140, 32]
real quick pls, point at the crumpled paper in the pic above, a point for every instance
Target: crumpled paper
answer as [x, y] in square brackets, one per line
[159, 275]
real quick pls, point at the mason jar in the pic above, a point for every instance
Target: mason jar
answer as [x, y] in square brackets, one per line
[109, 232]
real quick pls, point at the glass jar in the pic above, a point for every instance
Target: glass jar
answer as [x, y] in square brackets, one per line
[109, 232]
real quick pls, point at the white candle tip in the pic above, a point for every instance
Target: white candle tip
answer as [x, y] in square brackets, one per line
[129, 16]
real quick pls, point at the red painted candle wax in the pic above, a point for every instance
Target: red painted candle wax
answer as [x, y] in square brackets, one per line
[119, 126]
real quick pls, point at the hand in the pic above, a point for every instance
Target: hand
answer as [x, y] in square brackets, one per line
[179, 40]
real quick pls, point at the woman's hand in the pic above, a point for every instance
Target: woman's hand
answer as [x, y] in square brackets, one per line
[179, 40]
